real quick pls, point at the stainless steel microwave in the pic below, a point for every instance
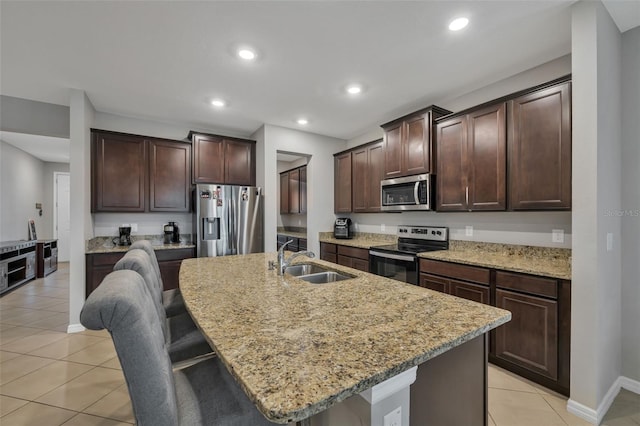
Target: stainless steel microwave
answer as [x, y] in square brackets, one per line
[406, 193]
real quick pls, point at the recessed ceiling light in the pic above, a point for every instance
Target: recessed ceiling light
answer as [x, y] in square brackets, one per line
[247, 54]
[354, 89]
[458, 24]
[302, 121]
[218, 103]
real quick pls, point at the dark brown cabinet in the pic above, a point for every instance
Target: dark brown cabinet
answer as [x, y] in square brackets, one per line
[367, 172]
[471, 159]
[329, 252]
[407, 143]
[342, 183]
[293, 191]
[99, 265]
[296, 244]
[536, 342]
[540, 149]
[351, 257]
[132, 173]
[118, 172]
[222, 159]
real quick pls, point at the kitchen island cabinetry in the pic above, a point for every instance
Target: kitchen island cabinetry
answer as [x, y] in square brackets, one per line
[540, 149]
[407, 143]
[536, 343]
[133, 173]
[223, 159]
[98, 265]
[471, 158]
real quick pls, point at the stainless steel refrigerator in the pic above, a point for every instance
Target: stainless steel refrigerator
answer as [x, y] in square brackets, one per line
[228, 220]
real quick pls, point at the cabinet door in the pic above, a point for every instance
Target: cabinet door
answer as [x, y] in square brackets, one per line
[434, 283]
[530, 339]
[375, 173]
[342, 183]
[303, 189]
[119, 173]
[540, 150]
[345, 261]
[294, 191]
[469, 291]
[393, 150]
[451, 140]
[239, 162]
[416, 155]
[284, 193]
[361, 265]
[359, 187]
[487, 158]
[208, 159]
[169, 176]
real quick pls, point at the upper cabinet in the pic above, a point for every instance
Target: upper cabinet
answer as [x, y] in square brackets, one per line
[293, 191]
[342, 182]
[131, 173]
[222, 159]
[407, 143]
[540, 149]
[471, 160]
[367, 172]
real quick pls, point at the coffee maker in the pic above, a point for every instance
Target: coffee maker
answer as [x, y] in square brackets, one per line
[125, 236]
[171, 233]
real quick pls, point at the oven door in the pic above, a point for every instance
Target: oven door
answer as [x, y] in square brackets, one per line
[397, 266]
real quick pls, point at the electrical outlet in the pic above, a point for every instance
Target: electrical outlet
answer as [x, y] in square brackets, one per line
[609, 241]
[393, 418]
[468, 231]
[557, 235]
[134, 227]
[382, 227]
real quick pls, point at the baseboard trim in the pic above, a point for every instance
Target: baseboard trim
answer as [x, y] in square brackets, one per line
[596, 416]
[75, 328]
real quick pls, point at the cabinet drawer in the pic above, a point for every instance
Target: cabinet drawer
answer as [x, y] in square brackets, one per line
[354, 252]
[175, 254]
[454, 270]
[108, 259]
[302, 244]
[345, 261]
[434, 283]
[534, 285]
[329, 257]
[475, 292]
[328, 248]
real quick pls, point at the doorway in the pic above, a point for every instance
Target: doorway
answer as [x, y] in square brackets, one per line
[61, 215]
[292, 196]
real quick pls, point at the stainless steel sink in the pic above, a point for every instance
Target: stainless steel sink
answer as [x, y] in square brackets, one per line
[325, 277]
[304, 269]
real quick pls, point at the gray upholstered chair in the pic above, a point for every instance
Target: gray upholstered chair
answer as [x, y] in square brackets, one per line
[183, 338]
[171, 299]
[201, 394]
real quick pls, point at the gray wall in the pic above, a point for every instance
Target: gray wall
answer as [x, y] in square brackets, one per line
[531, 228]
[21, 187]
[596, 281]
[34, 118]
[631, 204]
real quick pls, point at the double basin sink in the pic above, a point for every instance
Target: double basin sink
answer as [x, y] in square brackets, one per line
[316, 274]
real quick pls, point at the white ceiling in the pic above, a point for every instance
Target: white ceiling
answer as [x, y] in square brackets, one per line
[166, 60]
[55, 150]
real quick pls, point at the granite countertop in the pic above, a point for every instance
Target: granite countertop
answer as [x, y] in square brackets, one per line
[543, 261]
[293, 234]
[298, 348]
[105, 244]
[360, 239]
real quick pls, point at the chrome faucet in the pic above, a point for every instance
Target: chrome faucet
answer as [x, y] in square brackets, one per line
[283, 263]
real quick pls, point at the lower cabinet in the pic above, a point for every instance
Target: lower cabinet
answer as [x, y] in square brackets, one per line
[296, 244]
[99, 265]
[352, 257]
[536, 342]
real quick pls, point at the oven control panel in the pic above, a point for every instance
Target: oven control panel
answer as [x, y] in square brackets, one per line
[432, 233]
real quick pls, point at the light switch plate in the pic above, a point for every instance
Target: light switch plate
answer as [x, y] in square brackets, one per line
[393, 418]
[557, 235]
[468, 231]
[134, 227]
[382, 227]
[609, 241]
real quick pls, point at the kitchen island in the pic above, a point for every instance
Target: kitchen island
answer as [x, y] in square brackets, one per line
[298, 349]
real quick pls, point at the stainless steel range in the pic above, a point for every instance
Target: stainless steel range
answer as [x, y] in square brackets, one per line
[400, 261]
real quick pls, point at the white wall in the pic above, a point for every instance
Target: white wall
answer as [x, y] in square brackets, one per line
[33, 117]
[631, 203]
[21, 187]
[319, 179]
[529, 228]
[48, 206]
[596, 280]
[106, 224]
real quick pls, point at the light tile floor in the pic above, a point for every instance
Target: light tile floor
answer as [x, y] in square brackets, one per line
[49, 377]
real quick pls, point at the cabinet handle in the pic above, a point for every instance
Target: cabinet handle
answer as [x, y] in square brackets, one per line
[466, 196]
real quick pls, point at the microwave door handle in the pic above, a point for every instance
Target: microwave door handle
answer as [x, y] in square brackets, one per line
[415, 192]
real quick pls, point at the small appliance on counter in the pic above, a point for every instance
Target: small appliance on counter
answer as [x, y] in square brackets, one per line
[171, 233]
[343, 228]
[125, 236]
